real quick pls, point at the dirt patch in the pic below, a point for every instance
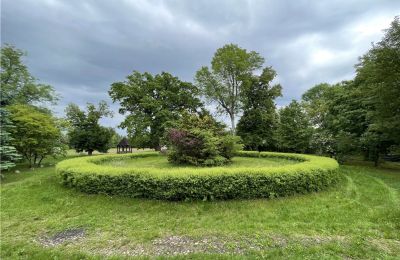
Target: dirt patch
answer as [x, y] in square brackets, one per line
[63, 236]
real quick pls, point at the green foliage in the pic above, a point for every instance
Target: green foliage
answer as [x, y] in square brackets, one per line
[36, 134]
[231, 66]
[8, 153]
[258, 124]
[378, 79]
[200, 140]
[152, 103]
[86, 134]
[339, 117]
[17, 84]
[294, 131]
[115, 138]
[310, 174]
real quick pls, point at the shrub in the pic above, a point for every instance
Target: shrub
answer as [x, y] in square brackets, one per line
[200, 140]
[310, 174]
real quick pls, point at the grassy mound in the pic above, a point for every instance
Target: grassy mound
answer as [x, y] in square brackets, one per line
[98, 175]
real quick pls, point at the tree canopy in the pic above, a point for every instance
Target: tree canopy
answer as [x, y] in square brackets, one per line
[36, 134]
[151, 104]
[258, 124]
[231, 67]
[17, 84]
[86, 134]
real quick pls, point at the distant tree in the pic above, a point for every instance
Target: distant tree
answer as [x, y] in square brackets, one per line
[339, 116]
[36, 134]
[152, 103]
[294, 131]
[231, 66]
[86, 134]
[258, 124]
[17, 84]
[8, 153]
[115, 137]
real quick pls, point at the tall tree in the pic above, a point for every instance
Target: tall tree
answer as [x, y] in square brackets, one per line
[294, 129]
[231, 66]
[36, 134]
[17, 84]
[378, 76]
[86, 133]
[338, 114]
[258, 124]
[152, 103]
[8, 153]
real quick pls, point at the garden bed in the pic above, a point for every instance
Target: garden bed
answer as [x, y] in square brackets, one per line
[98, 175]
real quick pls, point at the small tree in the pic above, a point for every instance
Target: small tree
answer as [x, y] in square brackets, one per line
[231, 66]
[294, 131]
[86, 134]
[36, 134]
[200, 140]
[8, 153]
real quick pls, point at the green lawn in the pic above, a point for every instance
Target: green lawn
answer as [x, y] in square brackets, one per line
[161, 162]
[360, 218]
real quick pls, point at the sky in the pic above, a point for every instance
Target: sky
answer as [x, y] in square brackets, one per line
[80, 47]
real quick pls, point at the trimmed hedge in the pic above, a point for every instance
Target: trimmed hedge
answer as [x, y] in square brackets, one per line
[310, 174]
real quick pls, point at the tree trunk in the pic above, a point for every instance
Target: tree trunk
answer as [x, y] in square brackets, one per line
[232, 116]
[90, 152]
[376, 161]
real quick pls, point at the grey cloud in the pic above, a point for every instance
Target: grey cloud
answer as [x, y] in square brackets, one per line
[81, 47]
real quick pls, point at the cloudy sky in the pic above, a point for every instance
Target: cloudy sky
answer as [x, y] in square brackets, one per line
[81, 47]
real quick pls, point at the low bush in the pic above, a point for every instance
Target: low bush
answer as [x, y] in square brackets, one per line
[310, 174]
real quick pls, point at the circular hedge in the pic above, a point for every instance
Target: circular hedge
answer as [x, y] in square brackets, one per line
[310, 174]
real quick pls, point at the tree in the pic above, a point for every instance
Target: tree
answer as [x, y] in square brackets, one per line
[152, 103]
[294, 131]
[231, 66]
[8, 153]
[36, 134]
[115, 138]
[18, 86]
[258, 124]
[338, 115]
[378, 77]
[86, 134]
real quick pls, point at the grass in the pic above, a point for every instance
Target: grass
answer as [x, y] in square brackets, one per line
[360, 218]
[161, 162]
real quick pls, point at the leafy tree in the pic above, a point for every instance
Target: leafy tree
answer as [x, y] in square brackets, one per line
[258, 124]
[8, 153]
[231, 67]
[17, 84]
[378, 77]
[115, 138]
[152, 103]
[86, 134]
[294, 131]
[200, 140]
[36, 134]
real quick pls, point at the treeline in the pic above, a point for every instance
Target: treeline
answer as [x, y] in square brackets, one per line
[30, 130]
[359, 116]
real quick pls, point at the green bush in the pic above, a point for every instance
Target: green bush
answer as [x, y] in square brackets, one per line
[200, 141]
[310, 174]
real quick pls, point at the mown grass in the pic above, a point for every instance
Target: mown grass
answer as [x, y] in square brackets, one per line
[360, 218]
